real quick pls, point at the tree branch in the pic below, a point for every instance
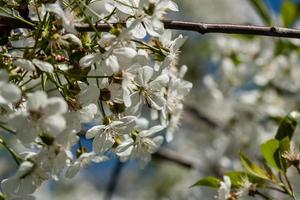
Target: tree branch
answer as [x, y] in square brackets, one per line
[114, 179]
[203, 28]
[172, 156]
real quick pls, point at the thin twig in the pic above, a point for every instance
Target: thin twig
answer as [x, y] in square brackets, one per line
[263, 195]
[112, 185]
[11, 151]
[276, 189]
[200, 116]
[172, 156]
[199, 27]
[204, 28]
[289, 185]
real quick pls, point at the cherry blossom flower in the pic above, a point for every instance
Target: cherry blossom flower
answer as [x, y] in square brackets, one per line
[224, 189]
[42, 114]
[83, 161]
[141, 145]
[27, 179]
[106, 135]
[149, 91]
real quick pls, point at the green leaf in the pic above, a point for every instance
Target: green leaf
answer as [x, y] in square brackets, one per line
[262, 10]
[252, 168]
[284, 146]
[272, 151]
[287, 126]
[237, 178]
[269, 151]
[209, 181]
[290, 12]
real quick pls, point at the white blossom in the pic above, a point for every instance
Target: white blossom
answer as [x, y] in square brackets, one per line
[106, 134]
[224, 189]
[149, 91]
[141, 145]
[83, 161]
[42, 114]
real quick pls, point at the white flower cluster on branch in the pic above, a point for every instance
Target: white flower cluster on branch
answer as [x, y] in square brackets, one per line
[53, 79]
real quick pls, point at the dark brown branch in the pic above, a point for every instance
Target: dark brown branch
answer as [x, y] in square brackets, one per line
[204, 28]
[114, 179]
[172, 156]
[168, 155]
[199, 27]
[201, 116]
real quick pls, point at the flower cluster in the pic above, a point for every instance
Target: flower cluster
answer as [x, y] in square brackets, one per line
[53, 79]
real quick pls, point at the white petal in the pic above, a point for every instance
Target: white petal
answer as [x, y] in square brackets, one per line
[178, 42]
[167, 4]
[89, 94]
[73, 170]
[124, 150]
[43, 66]
[160, 81]
[182, 71]
[74, 39]
[112, 63]
[145, 75]
[156, 101]
[125, 55]
[37, 100]
[138, 31]
[55, 8]
[87, 113]
[98, 159]
[152, 131]
[54, 124]
[154, 27]
[56, 105]
[25, 131]
[10, 185]
[25, 64]
[9, 93]
[91, 133]
[27, 186]
[102, 143]
[90, 59]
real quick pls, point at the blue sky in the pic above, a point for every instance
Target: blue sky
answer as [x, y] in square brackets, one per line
[274, 4]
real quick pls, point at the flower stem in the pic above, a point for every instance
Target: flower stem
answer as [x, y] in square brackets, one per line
[263, 195]
[291, 192]
[11, 151]
[7, 129]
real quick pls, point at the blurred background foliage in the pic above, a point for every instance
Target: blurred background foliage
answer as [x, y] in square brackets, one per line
[235, 105]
